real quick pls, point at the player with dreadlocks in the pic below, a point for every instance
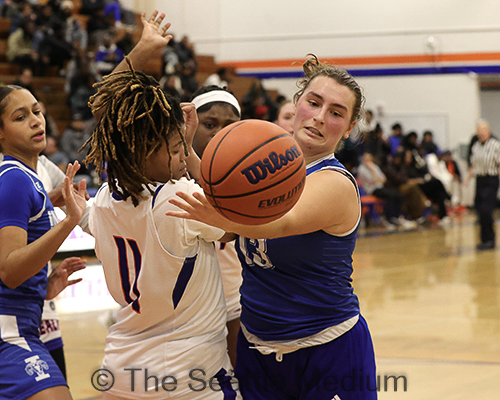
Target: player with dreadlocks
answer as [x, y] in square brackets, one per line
[170, 330]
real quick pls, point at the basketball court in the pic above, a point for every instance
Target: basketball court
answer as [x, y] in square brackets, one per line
[431, 300]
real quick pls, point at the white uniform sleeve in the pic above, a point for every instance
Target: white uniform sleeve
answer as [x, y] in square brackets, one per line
[180, 236]
[55, 173]
[56, 176]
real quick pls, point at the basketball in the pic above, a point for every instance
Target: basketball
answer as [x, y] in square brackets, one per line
[252, 172]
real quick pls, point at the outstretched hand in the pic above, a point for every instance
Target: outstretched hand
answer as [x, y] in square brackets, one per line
[58, 278]
[197, 207]
[152, 35]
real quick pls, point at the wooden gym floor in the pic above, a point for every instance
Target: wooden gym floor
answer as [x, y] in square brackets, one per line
[431, 300]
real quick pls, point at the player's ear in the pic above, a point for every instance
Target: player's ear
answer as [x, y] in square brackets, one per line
[351, 127]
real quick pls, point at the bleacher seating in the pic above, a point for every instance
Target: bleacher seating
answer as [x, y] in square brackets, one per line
[50, 88]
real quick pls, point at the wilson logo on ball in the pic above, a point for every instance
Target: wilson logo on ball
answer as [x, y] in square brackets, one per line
[259, 170]
[252, 172]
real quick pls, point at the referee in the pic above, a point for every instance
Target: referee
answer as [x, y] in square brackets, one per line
[485, 165]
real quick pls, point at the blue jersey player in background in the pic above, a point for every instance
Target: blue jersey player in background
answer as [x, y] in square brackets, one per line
[302, 335]
[29, 238]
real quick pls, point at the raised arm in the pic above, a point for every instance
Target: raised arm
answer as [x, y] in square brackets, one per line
[153, 39]
[191, 122]
[329, 202]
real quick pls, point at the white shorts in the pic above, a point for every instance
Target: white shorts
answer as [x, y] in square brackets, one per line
[172, 370]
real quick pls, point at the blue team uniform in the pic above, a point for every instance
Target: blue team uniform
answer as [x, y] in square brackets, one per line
[299, 287]
[26, 366]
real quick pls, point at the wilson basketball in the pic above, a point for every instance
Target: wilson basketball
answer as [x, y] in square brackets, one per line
[252, 172]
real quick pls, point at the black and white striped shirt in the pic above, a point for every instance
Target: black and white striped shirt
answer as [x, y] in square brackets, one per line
[485, 157]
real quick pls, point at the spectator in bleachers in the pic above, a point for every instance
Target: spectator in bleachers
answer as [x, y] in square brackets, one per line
[257, 103]
[398, 178]
[73, 138]
[169, 57]
[438, 169]
[25, 80]
[113, 10]
[185, 50]
[90, 7]
[51, 128]
[20, 11]
[21, 51]
[456, 186]
[396, 137]
[98, 25]
[188, 79]
[219, 78]
[80, 87]
[433, 188]
[7, 8]
[55, 48]
[171, 84]
[47, 18]
[428, 144]
[54, 154]
[75, 33]
[108, 55]
[367, 124]
[372, 181]
[377, 145]
[126, 43]
[410, 141]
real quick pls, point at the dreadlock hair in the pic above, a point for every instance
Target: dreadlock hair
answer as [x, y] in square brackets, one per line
[138, 118]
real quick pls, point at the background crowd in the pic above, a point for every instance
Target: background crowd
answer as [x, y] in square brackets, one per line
[414, 178]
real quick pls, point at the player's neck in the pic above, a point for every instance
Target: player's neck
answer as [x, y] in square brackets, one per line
[29, 161]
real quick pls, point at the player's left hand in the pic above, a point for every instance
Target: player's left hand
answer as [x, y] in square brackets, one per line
[197, 207]
[58, 278]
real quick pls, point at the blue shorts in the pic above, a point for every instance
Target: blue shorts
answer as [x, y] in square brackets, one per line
[26, 366]
[343, 369]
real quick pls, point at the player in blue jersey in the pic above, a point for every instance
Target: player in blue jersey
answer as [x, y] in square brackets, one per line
[302, 335]
[29, 238]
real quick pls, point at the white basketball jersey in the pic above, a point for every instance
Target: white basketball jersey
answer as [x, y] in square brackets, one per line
[164, 273]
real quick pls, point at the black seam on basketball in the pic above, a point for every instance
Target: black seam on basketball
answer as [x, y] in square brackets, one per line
[222, 209]
[214, 197]
[244, 157]
[212, 160]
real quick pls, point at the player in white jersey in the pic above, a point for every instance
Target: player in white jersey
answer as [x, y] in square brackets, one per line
[216, 108]
[169, 340]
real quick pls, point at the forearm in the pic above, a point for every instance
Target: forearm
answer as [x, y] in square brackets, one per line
[24, 262]
[193, 165]
[139, 57]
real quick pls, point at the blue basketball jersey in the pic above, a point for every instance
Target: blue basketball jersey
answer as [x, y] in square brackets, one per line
[297, 286]
[24, 203]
